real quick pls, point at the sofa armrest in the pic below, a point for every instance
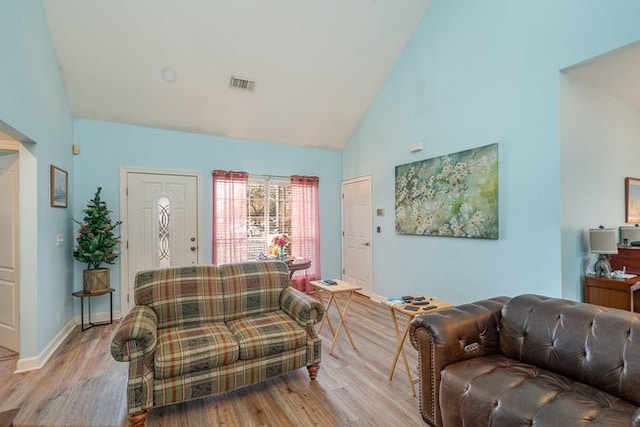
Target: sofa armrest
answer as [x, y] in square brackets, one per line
[135, 342]
[449, 336]
[139, 326]
[306, 310]
[635, 420]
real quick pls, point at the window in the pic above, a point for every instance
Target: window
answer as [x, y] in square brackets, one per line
[247, 213]
[269, 213]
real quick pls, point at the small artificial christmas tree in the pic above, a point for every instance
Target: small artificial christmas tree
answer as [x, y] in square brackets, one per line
[96, 243]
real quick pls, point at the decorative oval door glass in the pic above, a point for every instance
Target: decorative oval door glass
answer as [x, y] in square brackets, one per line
[164, 246]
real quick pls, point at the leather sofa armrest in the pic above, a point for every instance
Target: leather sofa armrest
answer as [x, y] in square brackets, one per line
[635, 420]
[449, 336]
[305, 310]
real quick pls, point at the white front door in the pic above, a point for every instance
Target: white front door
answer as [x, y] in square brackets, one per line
[356, 233]
[9, 286]
[161, 227]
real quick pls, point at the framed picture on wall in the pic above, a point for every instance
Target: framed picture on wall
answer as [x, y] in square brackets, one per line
[632, 199]
[59, 192]
[454, 195]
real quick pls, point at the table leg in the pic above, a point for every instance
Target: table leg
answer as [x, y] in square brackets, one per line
[398, 341]
[82, 314]
[326, 313]
[400, 350]
[89, 312]
[404, 357]
[342, 323]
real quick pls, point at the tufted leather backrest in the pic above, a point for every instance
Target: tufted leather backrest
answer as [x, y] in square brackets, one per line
[588, 343]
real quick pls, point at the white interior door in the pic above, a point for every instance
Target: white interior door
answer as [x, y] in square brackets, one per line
[356, 233]
[9, 284]
[162, 227]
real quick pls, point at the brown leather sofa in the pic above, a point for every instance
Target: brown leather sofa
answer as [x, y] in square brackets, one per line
[529, 360]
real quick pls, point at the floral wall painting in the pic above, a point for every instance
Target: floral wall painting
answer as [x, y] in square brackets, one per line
[455, 195]
[632, 199]
[59, 187]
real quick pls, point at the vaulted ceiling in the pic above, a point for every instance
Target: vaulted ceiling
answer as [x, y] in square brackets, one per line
[615, 73]
[316, 65]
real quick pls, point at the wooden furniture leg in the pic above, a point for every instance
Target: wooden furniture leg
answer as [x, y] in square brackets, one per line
[138, 420]
[400, 350]
[313, 371]
[326, 313]
[342, 323]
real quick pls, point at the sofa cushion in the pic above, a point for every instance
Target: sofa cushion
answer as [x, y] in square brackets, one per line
[182, 295]
[499, 391]
[192, 348]
[267, 333]
[252, 287]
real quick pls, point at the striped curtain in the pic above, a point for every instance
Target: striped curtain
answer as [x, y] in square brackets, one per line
[305, 228]
[230, 237]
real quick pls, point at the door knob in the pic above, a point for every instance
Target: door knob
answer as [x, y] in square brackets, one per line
[193, 239]
[193, 248]
[367, 244]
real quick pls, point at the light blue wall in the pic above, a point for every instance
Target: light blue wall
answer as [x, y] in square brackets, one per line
[33, 103]
[478, 72]
[106, 147]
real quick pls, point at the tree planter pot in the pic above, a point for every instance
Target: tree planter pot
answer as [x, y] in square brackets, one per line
[96, 280]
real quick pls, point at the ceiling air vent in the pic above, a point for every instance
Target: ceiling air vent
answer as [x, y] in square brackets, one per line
[242, 84]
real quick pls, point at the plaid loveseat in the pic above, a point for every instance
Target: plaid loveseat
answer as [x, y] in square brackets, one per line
[205, 329]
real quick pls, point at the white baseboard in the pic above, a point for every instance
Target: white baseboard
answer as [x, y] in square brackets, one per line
[37, 362]
[378, 298]
[98, 317]
[31, 363]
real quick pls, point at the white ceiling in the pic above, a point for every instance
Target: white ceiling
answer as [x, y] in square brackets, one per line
[317, 64]
[616, 73]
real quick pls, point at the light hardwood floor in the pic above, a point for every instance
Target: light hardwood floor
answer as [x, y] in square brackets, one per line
[82, 385]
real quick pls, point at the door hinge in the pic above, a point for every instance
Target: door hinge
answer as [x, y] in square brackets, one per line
[127, 298]
[126, 191]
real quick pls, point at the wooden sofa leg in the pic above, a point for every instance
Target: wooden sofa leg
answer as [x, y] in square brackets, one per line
[313, 371]
[138, 420]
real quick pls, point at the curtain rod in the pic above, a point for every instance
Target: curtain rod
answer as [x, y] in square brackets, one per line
[268, 177]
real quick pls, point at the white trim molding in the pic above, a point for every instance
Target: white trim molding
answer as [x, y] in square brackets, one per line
[33, 363]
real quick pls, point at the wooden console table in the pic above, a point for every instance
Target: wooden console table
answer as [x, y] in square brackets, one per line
[614, 293]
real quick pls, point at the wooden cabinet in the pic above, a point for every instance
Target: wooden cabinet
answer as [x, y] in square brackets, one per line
[628, 258]
[614, 293]
[617, 293]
